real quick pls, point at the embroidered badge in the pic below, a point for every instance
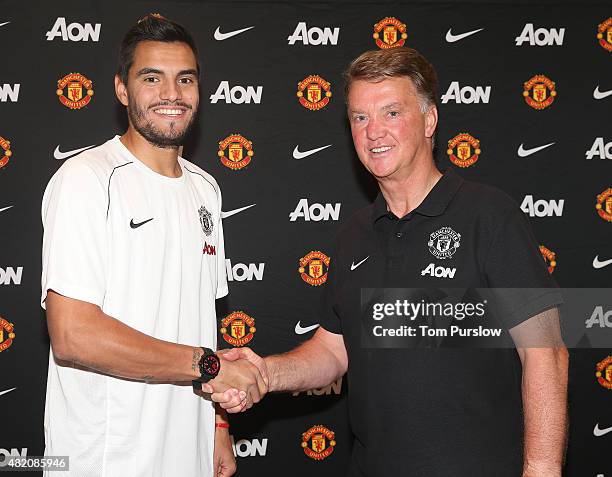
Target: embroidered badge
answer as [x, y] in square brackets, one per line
[206, 220]
[443, 243]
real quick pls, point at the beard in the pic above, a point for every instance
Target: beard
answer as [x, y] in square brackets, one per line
[172, 139]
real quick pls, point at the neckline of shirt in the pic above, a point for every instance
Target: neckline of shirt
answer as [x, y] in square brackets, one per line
[175, 181]
[433, 204]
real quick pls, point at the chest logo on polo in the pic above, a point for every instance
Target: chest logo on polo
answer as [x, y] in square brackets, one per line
[444, 242]
[206, 220]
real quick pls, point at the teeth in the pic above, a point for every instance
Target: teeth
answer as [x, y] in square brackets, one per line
[380, 149]
[169, 111]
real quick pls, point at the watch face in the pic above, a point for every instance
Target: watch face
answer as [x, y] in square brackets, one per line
[211, 365]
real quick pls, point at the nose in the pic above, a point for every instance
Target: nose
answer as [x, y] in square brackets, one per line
[170, 91]
[375, 129]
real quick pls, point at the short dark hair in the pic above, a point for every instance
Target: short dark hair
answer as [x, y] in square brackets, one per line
[152, 27]
[377, 65]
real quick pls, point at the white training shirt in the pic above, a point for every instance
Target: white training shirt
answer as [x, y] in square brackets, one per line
[147, 249]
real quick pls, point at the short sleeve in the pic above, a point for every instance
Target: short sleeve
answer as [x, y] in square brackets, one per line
[74, 240]
[328, 317]
[516, 272]
[222, 288]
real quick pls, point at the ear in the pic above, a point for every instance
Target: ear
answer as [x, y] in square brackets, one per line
[431, 121]
[121, 91]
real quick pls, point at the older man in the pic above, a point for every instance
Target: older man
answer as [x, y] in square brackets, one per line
[431, 412]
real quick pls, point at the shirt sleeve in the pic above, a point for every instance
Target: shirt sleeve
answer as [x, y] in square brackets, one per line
[516, 273]
[222, 288]
[328, 318]
[74, 240]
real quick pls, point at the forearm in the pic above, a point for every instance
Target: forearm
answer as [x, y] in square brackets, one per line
[221, 416]
[544, 388]
[310, 365]
[101, 342]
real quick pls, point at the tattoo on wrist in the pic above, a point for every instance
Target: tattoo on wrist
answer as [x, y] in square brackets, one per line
[195, 359]
[148, 377]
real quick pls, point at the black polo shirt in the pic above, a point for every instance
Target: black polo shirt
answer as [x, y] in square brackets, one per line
[436, 412]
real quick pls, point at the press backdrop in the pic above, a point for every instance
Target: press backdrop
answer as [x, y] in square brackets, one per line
[525, 101]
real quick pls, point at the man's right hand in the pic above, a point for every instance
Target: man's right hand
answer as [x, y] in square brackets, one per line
[239, 384]
[232, 399]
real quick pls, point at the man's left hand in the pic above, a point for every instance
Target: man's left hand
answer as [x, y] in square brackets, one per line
[224, 462]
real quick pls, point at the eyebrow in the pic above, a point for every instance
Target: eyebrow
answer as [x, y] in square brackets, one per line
[148, 70]
[392, 106]
[386, 107]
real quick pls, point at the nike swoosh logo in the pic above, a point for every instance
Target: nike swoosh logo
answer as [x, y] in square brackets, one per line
[224, 36]
[5, 23]
[300, 331]
[5, 208]
[453, 38]
[225, 215]
[597, 432]
[8, 390]
[601, 94]
[528, 152]
[598, 264]
[136, 225]
[301, 155]
[64, 155]
[355, 265]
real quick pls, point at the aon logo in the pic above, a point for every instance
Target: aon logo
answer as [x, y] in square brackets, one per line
[440, 272]
[314, 35]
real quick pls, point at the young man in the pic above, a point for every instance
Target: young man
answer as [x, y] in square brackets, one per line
[437, 412]
[133, 261]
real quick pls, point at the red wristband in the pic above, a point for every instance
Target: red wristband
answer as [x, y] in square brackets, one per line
[224, 425]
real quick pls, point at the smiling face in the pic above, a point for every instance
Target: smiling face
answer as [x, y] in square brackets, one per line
[162, 92]
[391, 134]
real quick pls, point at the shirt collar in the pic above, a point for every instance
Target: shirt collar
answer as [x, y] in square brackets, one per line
[435, 202]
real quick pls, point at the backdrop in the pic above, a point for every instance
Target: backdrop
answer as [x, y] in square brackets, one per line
[525, 102]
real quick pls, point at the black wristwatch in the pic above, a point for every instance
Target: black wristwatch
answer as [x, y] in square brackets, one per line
[209, 365]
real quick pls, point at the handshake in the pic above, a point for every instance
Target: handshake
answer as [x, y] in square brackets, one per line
[242, 381]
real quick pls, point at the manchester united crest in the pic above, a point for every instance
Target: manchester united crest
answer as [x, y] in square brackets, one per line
[7, 334]
[389, 33]
[235, 152]
[549, 257]
[604, 34]
[463, 150]
[205, 220]
[314, 92]
[604, 205]
[318, 442]
[539, 92]
[604, 372]
[443, 243]
[6, 152]
[75, 91]
[313, 268]
[238, 328]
